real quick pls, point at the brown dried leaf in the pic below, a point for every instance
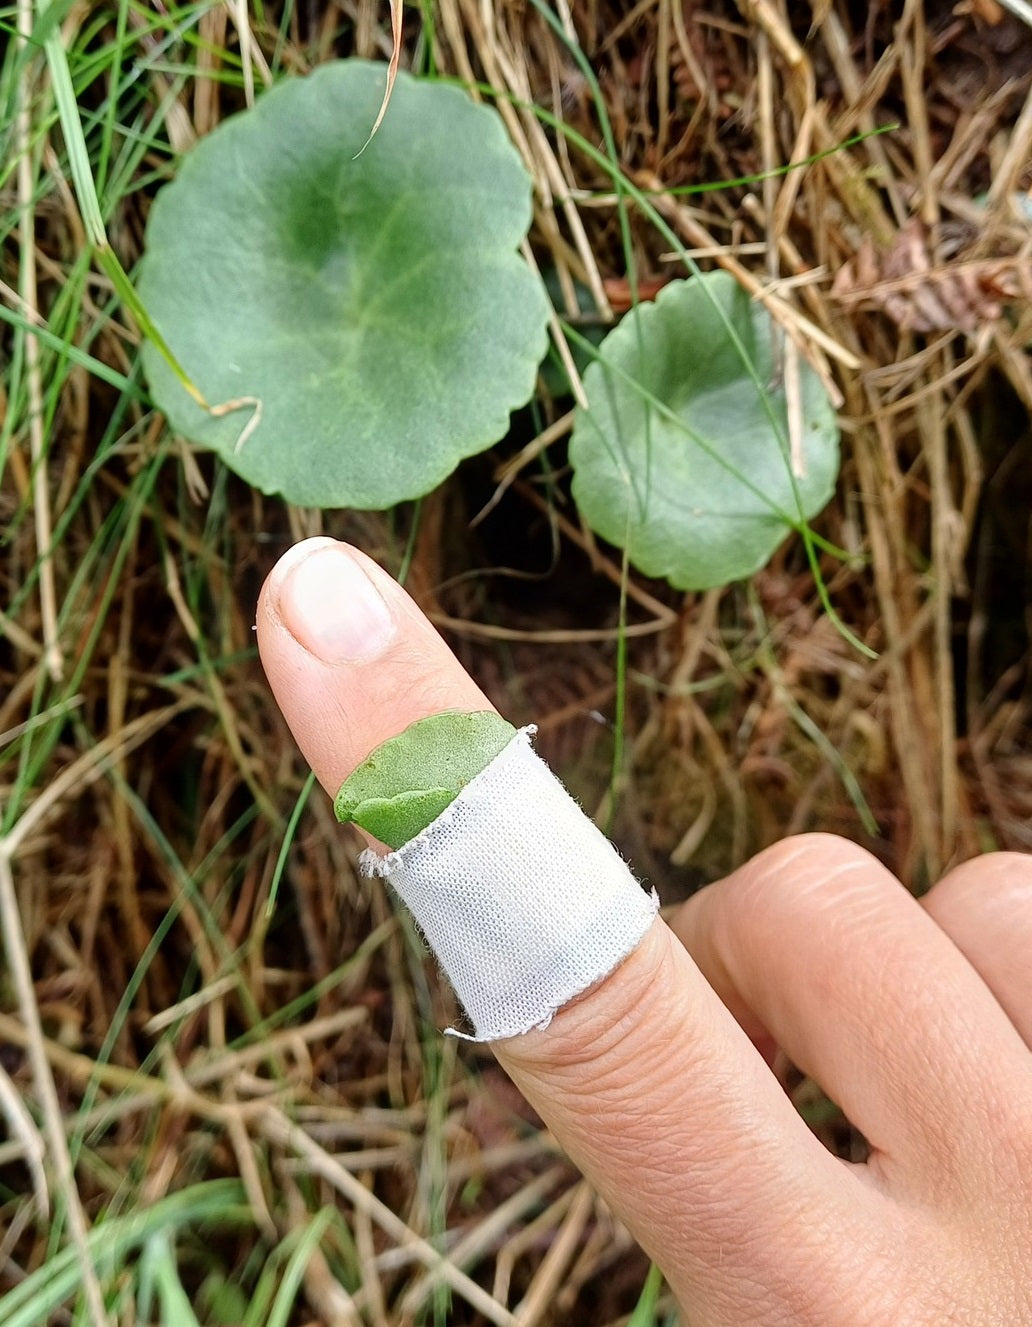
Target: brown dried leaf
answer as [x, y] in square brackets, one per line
[919, 295]
[618, 291]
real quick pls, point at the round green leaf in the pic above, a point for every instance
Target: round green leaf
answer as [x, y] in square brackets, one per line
[682, 456]
[375, 306]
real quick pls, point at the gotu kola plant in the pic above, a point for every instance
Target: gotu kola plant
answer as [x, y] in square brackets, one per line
[355, 309]
[684, 453]
[357, 312]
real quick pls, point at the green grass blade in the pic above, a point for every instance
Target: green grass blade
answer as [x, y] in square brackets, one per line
[644, 1314]
[89, 203]
[219, 1202]
[158, 1264]
[286, 1294]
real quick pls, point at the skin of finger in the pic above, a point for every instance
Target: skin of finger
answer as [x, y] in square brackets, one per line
[339, 712]
[662, 1103]
[815, 941]
[647, 1080]
[985, 907]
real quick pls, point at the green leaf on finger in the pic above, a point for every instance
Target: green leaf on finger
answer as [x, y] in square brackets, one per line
[405, 784]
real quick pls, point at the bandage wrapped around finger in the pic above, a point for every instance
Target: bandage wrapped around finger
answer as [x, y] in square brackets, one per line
[523, 900]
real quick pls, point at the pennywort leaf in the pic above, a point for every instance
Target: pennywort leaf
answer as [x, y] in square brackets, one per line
[685, 453]
[358, 322]
[405, 784]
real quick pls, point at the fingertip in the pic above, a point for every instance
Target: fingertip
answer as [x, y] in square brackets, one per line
[333, 600]
[995, 883]
[985, 907]
[351, 660]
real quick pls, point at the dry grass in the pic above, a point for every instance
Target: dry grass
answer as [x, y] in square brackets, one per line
[185, 1036]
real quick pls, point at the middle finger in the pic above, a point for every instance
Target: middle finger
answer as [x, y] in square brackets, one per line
[814, 941]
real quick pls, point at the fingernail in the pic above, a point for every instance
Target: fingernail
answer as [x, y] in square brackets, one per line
[330, 606]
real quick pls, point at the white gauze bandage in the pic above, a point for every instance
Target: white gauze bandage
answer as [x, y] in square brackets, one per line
[523, 900]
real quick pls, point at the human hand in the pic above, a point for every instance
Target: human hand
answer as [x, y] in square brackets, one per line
[916, 1018]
